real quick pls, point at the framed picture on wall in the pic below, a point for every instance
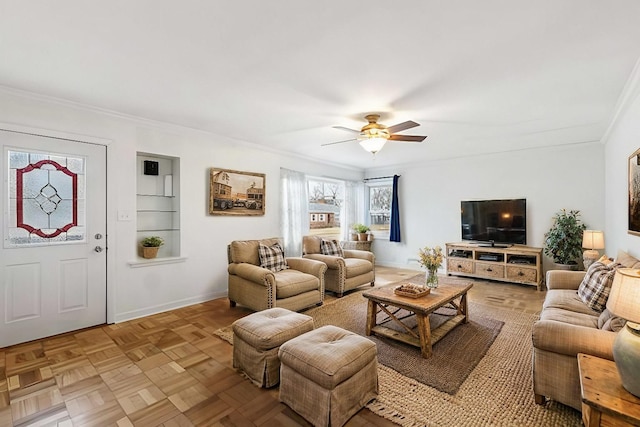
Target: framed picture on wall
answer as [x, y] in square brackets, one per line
[634, 193]
[237, 193]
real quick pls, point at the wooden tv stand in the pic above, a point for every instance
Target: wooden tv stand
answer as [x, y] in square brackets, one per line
[516, 263]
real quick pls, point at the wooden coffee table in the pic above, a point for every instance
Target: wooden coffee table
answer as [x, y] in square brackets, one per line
[447, 293]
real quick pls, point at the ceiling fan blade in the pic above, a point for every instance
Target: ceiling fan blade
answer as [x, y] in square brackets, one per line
[338, 142]
[346, 129]
[402, 126]
[407, 138]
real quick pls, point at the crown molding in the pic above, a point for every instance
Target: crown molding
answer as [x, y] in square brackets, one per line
[165, 126]
[628, 95]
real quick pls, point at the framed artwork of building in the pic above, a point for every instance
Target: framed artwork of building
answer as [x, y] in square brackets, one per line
[237, 193]
[634, 193]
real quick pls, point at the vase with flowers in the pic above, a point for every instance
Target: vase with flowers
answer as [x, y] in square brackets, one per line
[431, 259]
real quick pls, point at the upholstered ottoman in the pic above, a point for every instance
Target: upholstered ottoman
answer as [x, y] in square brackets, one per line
[328, 374]
[257, 337]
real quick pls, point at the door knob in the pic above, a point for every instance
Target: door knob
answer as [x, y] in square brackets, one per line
[98, 249]
[98, 236]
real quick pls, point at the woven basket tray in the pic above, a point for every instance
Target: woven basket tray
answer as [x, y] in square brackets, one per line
[397, 291]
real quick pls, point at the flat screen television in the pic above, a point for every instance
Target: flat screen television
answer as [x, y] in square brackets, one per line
[494, 222]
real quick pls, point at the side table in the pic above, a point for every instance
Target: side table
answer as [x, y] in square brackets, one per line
[605, 402]
[352, 244]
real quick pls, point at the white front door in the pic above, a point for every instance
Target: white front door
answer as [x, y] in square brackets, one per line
[53, 253]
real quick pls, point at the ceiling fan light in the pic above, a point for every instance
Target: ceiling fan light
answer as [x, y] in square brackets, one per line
[373, 145]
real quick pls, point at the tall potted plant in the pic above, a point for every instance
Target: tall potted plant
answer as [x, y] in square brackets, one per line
[563, 242]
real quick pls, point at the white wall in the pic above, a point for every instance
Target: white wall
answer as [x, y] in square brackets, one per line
[136, 292]
[570, 177]
[622, 141]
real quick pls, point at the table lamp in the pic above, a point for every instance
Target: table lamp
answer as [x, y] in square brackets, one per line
[624, 301]
[591, 240]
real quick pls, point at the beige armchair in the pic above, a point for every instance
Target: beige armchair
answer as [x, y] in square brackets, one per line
[299, 286]
[355, 269]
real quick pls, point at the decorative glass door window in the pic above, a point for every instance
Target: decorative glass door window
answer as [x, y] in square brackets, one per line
[46, 199]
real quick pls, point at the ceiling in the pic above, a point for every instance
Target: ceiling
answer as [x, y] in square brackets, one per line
[479, 76]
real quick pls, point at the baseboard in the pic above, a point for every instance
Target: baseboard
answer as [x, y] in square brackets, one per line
[148, 311]
[404, 266]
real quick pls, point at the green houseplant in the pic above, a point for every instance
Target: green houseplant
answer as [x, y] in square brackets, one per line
[150, 246]
[563, 242]
[361, 230]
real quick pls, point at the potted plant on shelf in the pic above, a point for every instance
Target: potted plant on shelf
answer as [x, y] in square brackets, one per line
[563, 242]
[361, 230]
[150, 246]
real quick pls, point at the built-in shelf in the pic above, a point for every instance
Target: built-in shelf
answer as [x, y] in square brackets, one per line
[158, 207]
[156, 261]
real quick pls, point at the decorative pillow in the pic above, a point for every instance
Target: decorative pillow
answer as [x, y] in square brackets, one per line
[331, 247]
[596, 285]
[608, 322]
[627, 260]
[272, 257]
[605, 260]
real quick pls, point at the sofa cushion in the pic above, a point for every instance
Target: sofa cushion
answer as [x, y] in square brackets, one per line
[331, 247]
[570, 317]
[293, 282]
[627, 260]
[311, 244]
[567, 299]
[357, 266]
[596, 285]
[272, 257]
[608, 322]
[247, 250]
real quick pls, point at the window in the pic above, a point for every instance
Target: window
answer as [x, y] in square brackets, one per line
[326, 197]
[379, 207]
[46, 199]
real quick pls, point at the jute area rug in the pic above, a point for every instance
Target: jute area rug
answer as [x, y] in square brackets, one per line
[496, 391]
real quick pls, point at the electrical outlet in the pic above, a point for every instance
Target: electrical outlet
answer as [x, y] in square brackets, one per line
[124, 216]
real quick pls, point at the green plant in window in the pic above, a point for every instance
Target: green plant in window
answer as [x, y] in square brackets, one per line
[152, 242]
[360, 228]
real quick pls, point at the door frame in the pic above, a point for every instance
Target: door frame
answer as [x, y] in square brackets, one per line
[111, 220]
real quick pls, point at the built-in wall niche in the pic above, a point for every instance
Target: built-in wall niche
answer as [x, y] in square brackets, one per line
[158, 202]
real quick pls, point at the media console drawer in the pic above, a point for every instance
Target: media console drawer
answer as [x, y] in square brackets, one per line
[489, 270]
[460, 265]
[517, 263]
[521, 274]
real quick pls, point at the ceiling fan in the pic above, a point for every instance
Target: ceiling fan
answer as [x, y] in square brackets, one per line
[373, 136]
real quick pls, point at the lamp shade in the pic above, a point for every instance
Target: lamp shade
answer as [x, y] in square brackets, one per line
[593, 239]
[373, 145]
[624, 298]
[624, 301]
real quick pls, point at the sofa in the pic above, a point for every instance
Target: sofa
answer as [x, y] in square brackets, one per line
[568, 326]
[293, 283]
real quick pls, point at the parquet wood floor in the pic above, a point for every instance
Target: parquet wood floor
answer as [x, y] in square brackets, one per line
[168, 370]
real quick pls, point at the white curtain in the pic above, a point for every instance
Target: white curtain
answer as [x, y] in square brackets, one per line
[294, 218]
[353, 211]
